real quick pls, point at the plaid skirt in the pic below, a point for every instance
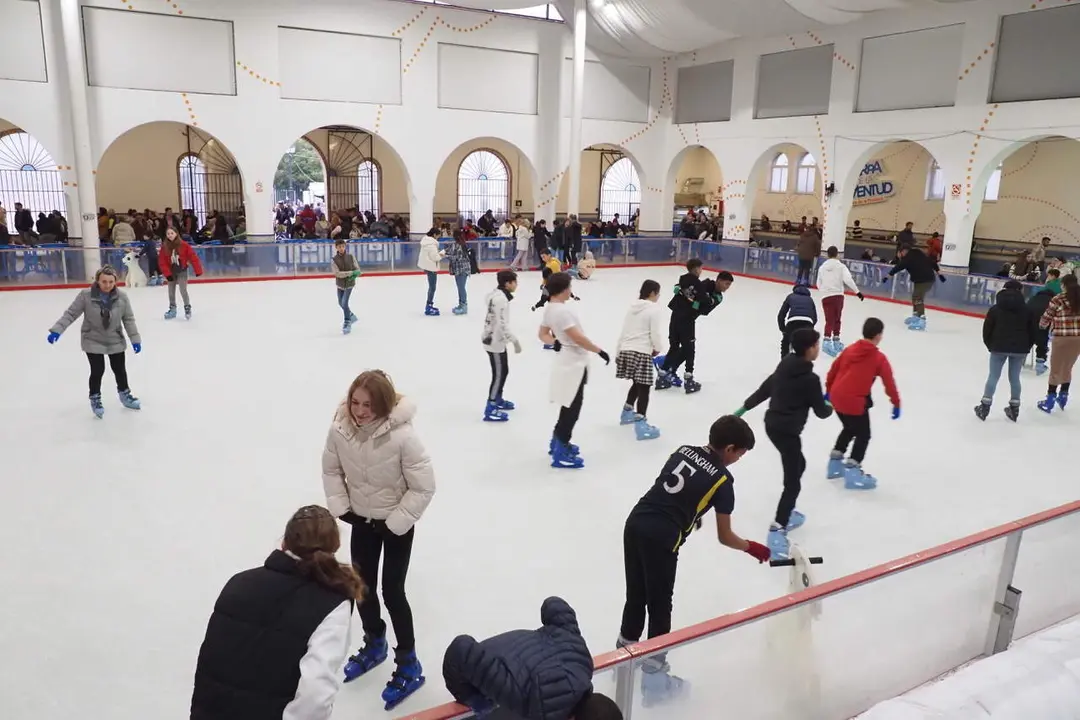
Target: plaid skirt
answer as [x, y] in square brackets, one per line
[636, 366]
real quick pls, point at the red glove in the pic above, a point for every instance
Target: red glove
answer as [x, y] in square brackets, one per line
[758, 551]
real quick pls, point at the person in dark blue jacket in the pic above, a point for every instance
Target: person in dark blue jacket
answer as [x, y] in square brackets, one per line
[798, 311]
[543, 674]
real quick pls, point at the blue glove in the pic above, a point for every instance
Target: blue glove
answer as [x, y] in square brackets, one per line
[53, 337]
[826, 397]
[896, 413]
[137, 347]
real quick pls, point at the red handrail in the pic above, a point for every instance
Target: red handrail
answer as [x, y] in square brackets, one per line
[717, 625]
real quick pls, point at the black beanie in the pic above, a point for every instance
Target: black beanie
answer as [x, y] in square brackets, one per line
[803, 339]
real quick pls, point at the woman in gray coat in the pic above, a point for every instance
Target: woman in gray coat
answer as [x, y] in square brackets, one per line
[104, 309]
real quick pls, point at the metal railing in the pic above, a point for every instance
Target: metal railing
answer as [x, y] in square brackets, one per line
[835, 649]
[60, 265]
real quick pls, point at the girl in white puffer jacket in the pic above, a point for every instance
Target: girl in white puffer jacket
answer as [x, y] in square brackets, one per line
[378, 478]
[641, 340]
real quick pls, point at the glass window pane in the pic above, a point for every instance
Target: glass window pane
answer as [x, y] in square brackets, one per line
[993, 187]
[620, 191]
[28, 175]
[483, 184]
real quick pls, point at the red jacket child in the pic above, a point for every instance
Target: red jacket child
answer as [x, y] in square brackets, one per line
[185, 257]
[852, 375]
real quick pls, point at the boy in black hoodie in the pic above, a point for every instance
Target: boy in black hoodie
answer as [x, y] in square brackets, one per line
[693, 298]
[922, 269]
[792, 391]
[798, 311]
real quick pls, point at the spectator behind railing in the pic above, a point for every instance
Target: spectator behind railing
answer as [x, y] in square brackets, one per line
[1025, 268]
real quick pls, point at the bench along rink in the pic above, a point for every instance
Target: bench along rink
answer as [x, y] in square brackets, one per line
[121, 532]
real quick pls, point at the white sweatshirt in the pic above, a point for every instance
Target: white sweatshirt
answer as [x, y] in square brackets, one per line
[497, 333]
[643, 329]
[506, 230]
[524, 236]
[833, 275]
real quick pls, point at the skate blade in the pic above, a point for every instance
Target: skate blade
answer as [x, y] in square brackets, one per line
[394, 703]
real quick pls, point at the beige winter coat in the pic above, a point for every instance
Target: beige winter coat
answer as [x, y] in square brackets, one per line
[386, 475]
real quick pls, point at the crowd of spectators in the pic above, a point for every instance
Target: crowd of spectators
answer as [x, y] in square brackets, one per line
[116, 229]
[303, 221]
[47, 229]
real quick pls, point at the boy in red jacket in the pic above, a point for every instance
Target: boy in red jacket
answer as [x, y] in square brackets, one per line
[847, 386]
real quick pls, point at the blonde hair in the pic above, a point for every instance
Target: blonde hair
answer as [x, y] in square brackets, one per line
[384, 397]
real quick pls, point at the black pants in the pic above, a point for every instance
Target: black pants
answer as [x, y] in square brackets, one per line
[369, 540]
[639, 393]
[500, 368]
[97, 371]
[571, 255]
[568, 416]
[1042, 343]
[544, 297]
[682, 339]
[794, 464]
[789, 329]
[856, 427]
[806, 269]
[650, 560]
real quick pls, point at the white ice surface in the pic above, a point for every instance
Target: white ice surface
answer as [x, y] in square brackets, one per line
[119, 534]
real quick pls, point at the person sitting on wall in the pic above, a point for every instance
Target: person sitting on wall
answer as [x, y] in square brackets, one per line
[787, 227]
[905, 239]
[486, 224]
[1025, 269]
[543, 674]
[764, 224]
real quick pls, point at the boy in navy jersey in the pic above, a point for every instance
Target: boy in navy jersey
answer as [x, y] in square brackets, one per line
[693, 481]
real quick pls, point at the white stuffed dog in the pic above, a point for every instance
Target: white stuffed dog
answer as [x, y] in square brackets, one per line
[135, 276]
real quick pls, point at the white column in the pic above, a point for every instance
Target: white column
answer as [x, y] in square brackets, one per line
[421, 206]
[74, 53]
[549, 131]
[737, 227]
[960, 221]
[837, 209]
[577, 99]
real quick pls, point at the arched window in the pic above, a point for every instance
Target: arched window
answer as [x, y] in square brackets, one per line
[935, 182]
[620, 190]
[483, 184]
[28, 176]
[805, 181]
[370, 183]
[778, 174]
[191, 172]
[993, 185]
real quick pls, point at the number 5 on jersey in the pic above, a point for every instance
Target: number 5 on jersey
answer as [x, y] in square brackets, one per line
[679, 479]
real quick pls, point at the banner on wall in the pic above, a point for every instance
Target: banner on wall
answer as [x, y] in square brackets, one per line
[872, 186]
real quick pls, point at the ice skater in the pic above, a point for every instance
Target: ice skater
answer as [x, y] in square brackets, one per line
[346, 270]
[460, 267]
[550, 266]
[792, 391]
[797, 312]
[922, 269]
[1037, 305]
[1009, 331]
[562, 330]
[694, 480]
[693, 298]
[175, 259]
[1062, 317]
[847, 388]
[833, 276]
[641, 340]
[496, 336]
[106, 315]
[429, 258]
[378, 478]
[528, 674]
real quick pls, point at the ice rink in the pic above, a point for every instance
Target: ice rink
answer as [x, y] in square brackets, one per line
[118, 534]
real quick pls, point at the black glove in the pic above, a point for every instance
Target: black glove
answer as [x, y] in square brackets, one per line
[885, 279]
[860, 296]
[168, 278]
[558, 345]
[941, 278]
[605, 357]
[349, 517]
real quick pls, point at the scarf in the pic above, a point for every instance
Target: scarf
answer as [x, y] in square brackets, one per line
[105, 301]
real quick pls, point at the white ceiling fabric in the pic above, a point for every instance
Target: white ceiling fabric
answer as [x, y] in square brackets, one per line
[661, 27]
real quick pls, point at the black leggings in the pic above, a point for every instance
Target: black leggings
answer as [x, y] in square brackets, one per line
[369, 539]
[568, 416]
[500, 368]
[794, 464]
[97, 371]
[639, 392]
[856, 427]
[650, 561]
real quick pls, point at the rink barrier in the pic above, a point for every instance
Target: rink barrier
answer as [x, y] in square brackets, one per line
[967, 634]
[53, 267]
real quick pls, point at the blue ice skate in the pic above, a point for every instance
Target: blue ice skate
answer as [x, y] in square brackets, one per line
[910, 320]
[171, 313]
[129, 401]
[346, 328]
[836, 466]
[644, 430]
[778, 543]
[574, 449]
[690, 385]
[366, 658]
[660, 687]
[352, 317]
[187, 312]
[1047, 405]
[1041, 367]
[628, 417]
[1063, 400]
[919, 324]
[408, 677]
[505, 404]
[564, 457]
[856, 479]
[664, 381]
[462, 309]
[492, 413]
[431, 311]
[96, 406]
[548, 347]
[658, 362]
[796, 520]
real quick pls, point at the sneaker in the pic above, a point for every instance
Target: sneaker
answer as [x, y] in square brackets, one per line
[644, 430]
[366, 658]
[779, 547]
[856, 479]
[982, 410]
[628, 417]
[492, 413]
[836, 467]
[796, 520]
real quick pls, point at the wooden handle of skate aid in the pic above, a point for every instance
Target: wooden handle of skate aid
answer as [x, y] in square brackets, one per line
[791, 561]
